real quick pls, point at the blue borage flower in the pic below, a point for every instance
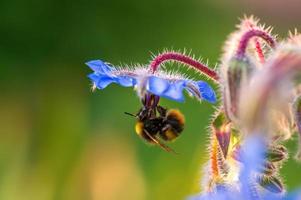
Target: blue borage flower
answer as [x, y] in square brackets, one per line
[160, 83]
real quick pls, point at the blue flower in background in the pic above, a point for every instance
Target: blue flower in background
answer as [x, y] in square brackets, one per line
[253, 155]
[170, 86]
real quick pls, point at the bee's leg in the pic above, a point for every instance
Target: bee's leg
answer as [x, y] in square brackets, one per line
[166, 127]
[162, 111]
[158, 142]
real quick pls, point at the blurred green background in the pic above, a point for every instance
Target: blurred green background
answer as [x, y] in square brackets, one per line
[58, 140]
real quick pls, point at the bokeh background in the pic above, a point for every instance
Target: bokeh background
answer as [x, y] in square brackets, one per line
[58, 140]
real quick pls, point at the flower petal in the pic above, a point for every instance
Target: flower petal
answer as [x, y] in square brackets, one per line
[175, 91]
[206, 91]
[101, 81]
[193, 89]
[126, 81]
[99, 66]
[165, 88]
[157, 85]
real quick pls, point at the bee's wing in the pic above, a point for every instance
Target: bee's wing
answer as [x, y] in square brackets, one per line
[158, 142]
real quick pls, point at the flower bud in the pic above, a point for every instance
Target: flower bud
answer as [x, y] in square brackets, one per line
[238, 72]
[276, 153]
[222, 130]
[271, 183]
[267, 168]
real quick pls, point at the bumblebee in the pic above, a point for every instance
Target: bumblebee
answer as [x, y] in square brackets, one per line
[155, 123]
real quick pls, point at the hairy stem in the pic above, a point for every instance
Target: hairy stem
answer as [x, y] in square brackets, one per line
[243, 43]
[168, 56]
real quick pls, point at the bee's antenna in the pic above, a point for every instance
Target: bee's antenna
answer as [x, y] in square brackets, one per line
[130, 114]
